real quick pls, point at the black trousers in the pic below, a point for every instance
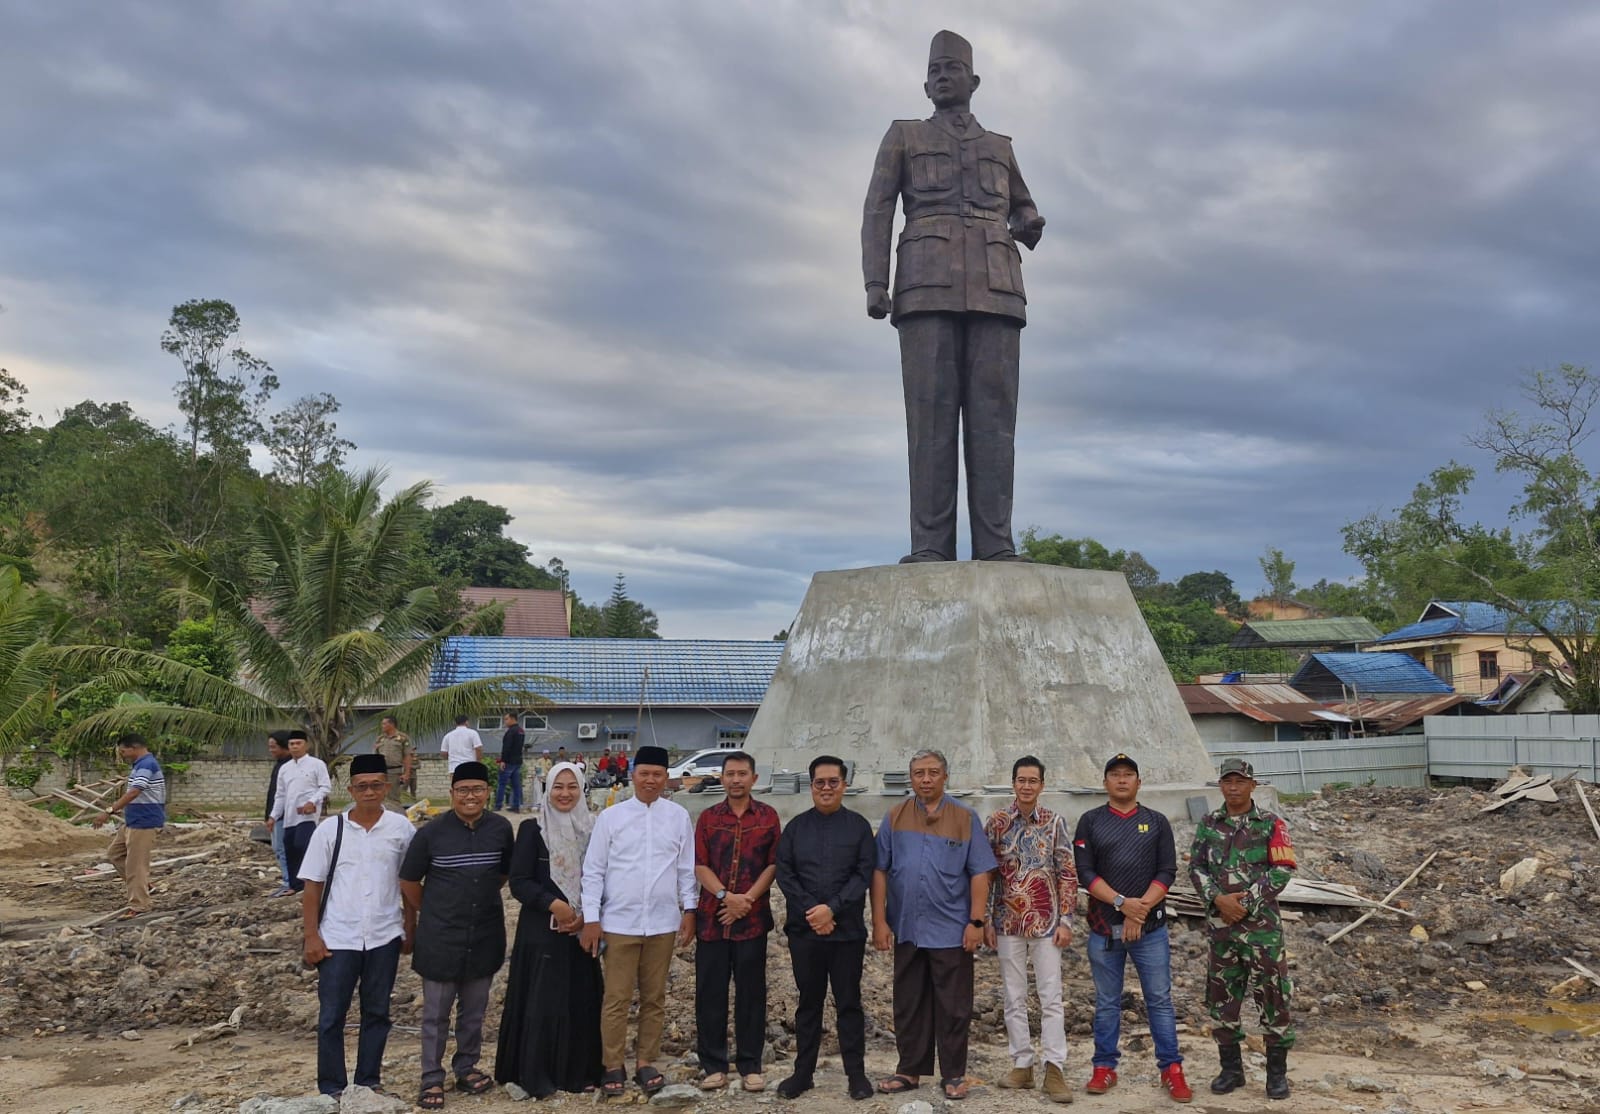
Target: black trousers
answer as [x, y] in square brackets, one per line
[932, 1008]
[295, 842]
[745, 963]
[819, 963]
[960, 376]
[337, 977]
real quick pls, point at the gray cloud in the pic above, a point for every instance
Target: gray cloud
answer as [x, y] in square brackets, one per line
[601, 264]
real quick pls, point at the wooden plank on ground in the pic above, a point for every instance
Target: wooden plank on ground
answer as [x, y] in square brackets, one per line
[1390, 896]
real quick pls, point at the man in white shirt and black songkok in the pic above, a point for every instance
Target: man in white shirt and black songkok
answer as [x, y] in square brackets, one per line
[638, 876]
[358, 936]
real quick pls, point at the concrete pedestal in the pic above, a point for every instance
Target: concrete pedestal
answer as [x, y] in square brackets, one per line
[984, 661]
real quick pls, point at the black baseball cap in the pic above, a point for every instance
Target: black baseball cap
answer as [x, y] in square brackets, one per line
[1120, 759]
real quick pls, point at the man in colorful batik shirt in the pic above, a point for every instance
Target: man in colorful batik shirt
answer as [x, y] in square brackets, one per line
[1031, 905]
[1241, 860]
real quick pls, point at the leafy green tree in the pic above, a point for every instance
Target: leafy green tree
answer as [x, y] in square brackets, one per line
[466, 540]
[1548, 577]
[323, 624]
[1214, 589]
[224, 389]
[304, 440]
[1279, 573]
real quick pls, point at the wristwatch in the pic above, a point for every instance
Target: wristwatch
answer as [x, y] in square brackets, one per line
[977, 922]
[721, 894]
[1117, 904]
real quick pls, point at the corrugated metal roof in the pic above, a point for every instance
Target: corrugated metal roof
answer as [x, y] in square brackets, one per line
[1374, 672]
[1442, 618]
[530, 612]
[1305, 632]
[611, 671]
[1262, 703]
[1387, 716]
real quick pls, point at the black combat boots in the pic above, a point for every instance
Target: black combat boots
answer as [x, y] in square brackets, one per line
[1232, 1073]
[1277, 1071]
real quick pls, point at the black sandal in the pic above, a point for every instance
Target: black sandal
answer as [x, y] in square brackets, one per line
[614, 1083]
[431, 1098]
[649, 1079]
[897, 1084]
[474, 1082]
[955, 1089]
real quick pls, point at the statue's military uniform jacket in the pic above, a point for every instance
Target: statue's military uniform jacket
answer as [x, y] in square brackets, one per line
[963, 196]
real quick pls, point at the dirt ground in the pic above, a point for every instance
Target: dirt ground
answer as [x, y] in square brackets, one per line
[1389, 1022]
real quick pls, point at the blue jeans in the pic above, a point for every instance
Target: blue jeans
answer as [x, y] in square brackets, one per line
[1152, 958]
[337, 977]
[277, 849]
[509, 785]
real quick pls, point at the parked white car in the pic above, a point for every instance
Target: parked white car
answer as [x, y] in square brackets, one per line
[700, 764]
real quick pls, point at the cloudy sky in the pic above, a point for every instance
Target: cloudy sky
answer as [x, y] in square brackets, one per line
[600, 262]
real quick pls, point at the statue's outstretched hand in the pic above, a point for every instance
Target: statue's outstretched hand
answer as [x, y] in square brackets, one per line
[878, 303]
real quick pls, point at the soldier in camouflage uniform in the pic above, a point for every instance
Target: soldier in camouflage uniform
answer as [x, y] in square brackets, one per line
[1241, 860]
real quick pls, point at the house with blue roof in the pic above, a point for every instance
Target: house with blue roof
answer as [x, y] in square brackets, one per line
[1365, 676]
[1472, 646]
[681, 693]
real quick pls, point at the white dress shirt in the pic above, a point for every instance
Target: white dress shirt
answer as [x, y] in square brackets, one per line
[460, 745]
[301, 780]
[364, 900]
[639, 869]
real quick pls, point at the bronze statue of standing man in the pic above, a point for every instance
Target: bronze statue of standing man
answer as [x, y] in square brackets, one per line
[958, 303]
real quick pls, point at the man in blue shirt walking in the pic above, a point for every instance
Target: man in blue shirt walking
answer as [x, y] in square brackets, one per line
[144, 813]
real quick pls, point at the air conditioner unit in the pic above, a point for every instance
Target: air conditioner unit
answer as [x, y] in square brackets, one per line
[588, 730]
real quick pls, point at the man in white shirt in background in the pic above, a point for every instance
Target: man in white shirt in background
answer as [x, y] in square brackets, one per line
[462, 744]
[638, 875]
[303, 788]
[358, 938]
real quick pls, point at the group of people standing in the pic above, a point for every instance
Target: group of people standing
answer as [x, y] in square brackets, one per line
[607, 898]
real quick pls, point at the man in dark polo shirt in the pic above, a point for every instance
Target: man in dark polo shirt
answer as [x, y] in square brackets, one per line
[1127, 860]
[508, 790]
[451, 878]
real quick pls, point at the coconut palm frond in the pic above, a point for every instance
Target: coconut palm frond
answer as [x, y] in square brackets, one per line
[207, 728]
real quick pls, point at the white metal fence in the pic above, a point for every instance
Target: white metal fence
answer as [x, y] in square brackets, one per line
[1556, 743]
[1305, 767]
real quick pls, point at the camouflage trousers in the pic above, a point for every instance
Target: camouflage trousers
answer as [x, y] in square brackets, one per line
[1255, 961]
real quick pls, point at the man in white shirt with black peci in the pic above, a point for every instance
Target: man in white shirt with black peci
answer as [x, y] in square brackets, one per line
[638, 875]
[303, 788]
[356, 927]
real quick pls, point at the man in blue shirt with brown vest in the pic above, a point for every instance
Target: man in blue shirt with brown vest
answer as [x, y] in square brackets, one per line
[930, 895]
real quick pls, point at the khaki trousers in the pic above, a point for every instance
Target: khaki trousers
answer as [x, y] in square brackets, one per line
[634, 961]
[130, 854]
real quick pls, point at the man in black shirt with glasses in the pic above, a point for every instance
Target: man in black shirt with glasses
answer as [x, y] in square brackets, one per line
[825, 861]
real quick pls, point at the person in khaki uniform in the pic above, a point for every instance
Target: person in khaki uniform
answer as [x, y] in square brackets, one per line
[144, 814]
[398, 754]
[958, 303]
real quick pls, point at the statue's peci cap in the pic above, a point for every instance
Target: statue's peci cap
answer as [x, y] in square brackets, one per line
[948, 44]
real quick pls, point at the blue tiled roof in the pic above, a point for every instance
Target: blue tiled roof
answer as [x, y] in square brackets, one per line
[1375, 672]
[610, 671]
[1443, 618]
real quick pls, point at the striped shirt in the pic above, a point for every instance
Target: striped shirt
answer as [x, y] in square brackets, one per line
[149, 808]
[1131, 851]
[461, 928]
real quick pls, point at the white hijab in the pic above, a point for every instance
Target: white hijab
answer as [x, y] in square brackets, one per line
[566, 835]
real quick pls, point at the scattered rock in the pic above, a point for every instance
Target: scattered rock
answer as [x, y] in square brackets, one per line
[1419, 934]
[516, 1093]
[1518, 876]
[308, 1104]
[1367, 1085]
[187, 1100]
[1475, 986]
[1575, 987]
[1487, 1068]
[677, 1094]
[920, 1106]
[364, 1100]
[131, 1035]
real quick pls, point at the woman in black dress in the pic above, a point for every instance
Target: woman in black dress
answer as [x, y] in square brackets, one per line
[550, 1032]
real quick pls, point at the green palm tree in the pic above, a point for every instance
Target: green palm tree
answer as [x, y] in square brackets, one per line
[38, 672]
[321, 630]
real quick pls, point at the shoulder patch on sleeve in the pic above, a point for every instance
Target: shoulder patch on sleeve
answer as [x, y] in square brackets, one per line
[1280, 851]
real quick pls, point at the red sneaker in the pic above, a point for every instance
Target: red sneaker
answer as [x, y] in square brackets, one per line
[1177, 1086]
[1101, 1081]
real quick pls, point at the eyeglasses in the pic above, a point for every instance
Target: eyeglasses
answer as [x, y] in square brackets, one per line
[368, 786]
[827, 782]
[1027, 781]
[470, 791]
